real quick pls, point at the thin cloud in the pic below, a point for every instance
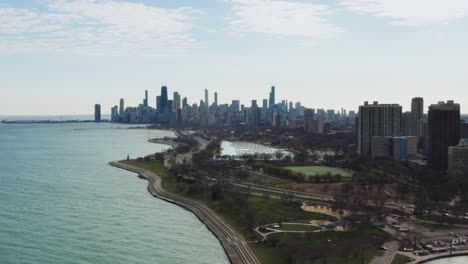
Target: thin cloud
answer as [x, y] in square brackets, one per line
[96, 27]
[411, 12]
[282, 18]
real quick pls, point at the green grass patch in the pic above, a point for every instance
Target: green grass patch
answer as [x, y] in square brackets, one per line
[157, 167]
[321, 170]
[400, 259]
[353, 247]
[433, 227]
[444, 219]
[268, 255]
[267, 210]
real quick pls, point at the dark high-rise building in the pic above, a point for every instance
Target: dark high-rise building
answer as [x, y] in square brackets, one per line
[272, 97]
[115, 114]
[97, 113]
[377, 120]
[406, 119]
[164, 107]
[170, 105]
[158, 103]
[122, 107]
[254, 104]
[417, 118]
[463, 129]
[444, 131]
[309, 115]
[207, 103]
[216, 98]
[145, 101]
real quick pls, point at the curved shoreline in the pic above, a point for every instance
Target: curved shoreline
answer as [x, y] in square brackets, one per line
[234, 244]
[444, 255]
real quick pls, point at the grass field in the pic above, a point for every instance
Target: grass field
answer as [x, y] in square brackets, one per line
[321, 170]
[352, 247]
[400, 259]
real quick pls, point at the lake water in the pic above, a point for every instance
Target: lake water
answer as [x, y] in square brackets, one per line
[60, 201]
[454, 260]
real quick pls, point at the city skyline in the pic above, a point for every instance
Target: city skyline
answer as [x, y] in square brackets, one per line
[68, 55]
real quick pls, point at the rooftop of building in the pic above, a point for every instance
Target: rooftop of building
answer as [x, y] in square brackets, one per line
[376, 103]
[449, 105]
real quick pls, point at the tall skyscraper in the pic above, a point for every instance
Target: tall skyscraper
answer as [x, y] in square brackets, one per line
[97, 113]
[122, 107]
[309, 115]
[164, 99]
[184, 103]
[417, 118]
[216, 98]
[444, 131]
[115, 114]
[254, 104]
[176, 98]
[406, 122]
[158, 103]
[207, 103]
[331, 115]
[145, 101]
[272, 97]
[235, 106]
[377, 120]
[170, 106]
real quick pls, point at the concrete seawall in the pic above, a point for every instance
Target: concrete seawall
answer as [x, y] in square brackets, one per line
[234, 244]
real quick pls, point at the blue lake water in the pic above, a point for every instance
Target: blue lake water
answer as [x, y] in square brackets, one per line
[60, 201]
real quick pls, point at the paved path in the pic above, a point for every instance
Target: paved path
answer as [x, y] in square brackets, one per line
[387, 257]
[187, 157]
[234, 244]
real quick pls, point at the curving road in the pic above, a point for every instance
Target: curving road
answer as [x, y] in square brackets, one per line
[234, 244]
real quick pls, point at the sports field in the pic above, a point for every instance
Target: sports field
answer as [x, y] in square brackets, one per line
[321, 170]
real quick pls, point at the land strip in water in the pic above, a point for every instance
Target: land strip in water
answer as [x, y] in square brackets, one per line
[233, 243]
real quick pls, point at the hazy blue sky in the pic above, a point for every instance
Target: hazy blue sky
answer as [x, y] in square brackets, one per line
[62, 57]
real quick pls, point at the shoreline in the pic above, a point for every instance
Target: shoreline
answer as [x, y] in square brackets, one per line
[163, 141]
[236, 248]
[445, 255]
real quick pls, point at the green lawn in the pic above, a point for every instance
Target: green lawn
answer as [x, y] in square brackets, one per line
[320, 170]
[353, 247]
[432, 227]
[400, 259]
[268, 211]
[158, 168]
[268, 255]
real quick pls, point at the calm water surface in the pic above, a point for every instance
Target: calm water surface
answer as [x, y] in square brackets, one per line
[454, 260]
[60, 202]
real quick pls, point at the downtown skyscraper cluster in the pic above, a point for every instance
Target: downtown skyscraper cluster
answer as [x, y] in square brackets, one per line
[177, 112]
